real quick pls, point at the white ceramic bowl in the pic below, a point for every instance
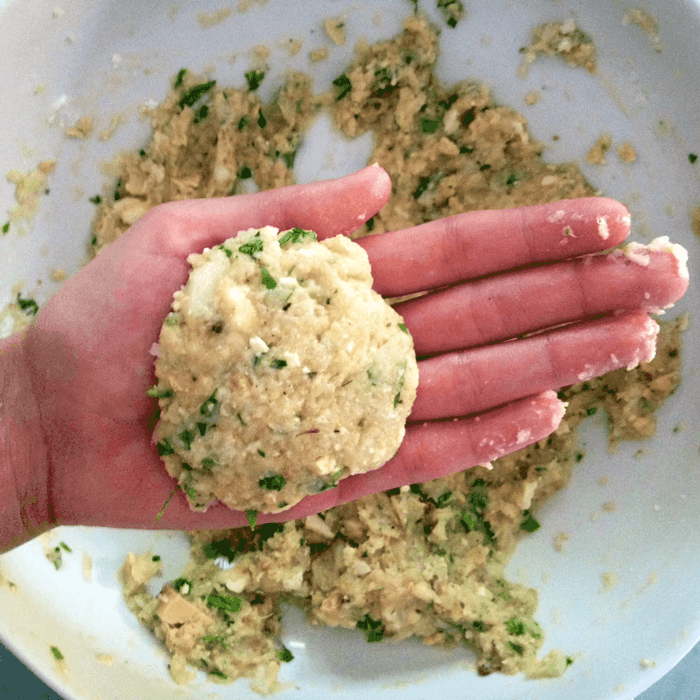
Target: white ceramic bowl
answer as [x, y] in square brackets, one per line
[74, 57]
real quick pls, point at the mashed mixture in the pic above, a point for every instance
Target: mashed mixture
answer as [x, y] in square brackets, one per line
[280, 371]
[425, 560]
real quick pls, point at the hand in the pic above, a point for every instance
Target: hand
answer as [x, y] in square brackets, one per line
[88, 350]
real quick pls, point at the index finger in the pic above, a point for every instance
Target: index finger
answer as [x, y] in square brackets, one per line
[479, 243]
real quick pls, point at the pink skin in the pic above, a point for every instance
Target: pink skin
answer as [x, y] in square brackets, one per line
[88, 351]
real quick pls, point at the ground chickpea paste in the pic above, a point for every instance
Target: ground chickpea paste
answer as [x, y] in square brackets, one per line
[425, 560]
[281, 371]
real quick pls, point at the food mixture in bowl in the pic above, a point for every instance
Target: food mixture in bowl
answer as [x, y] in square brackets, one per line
[281, 371]
[425, 560]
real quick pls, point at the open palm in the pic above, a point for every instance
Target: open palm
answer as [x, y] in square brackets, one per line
[500, 275]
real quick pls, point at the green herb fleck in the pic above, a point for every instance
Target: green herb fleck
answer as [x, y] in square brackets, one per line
[167, 500]
[57, 654]
[96, 199]
[297, 235]
[65, 547]
[245, 173]
[118, 190]
[692, 157]
[254, 78]
[252, 518]
[201, 113]
[159, 392]
[208, 408]
[529, 524]
[29, 306]
[165, 448]
[182, 585]
[278, 364]
[6, 227]
[517, 648]
[220, 548]
[155, 557]
[370, 224]
[591, 411]
[569, 661]
[267, 279]
[342, 82]
[207, 639]
[373, 628]
[226, 603]
[512, 179]
[195, 93]
[218, 674]
[515, 626]
[180, 77]
[429, 126]
[274, 482]
[285, 655]
[403, 327]
[187, 436]
[289, 158]
[252, 247]
[242, 122]
[261, 120]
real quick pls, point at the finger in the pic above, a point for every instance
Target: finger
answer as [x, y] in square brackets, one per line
[329, 207]
[480, 243]
[508, 305]
[434, 449]
[466, 382]
[429, 450]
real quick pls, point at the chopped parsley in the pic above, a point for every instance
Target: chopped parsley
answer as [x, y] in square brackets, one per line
[242, 122]
[472, 518]
[57, 654]
[252, 247]
[261, 120]
[218, 674]
[267, 279]
[285, 655]
[692, 157]
[195, 93]
[167, 501]
[373, 628]
[208, 408]
[159, 392]
[429, 126]
[254, 78]
[182, 585]
[201, 113]
[211, 638]
[289, 158]
[96, 199]
[529, 524]
[274, 482]
[165, 448]
[6, 227]
[296, 235]
[187, 436]
[64, 546]
[252, 518]
[245, 173]
[29, 306]
[180, 77]
[220, 548]
[278, 364]
[227, 603]
[517, 648]
[342, 82]
[403, 327]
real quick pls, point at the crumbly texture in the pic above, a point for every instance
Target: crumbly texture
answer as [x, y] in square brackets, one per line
[425, 560]
[281, 371]
[563, 39]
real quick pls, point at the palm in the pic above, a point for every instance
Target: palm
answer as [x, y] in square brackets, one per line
[92, 375]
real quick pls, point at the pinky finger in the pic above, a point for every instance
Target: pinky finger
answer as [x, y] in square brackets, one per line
[434, 449]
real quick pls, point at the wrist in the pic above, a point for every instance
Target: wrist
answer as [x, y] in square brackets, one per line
[24, 504]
